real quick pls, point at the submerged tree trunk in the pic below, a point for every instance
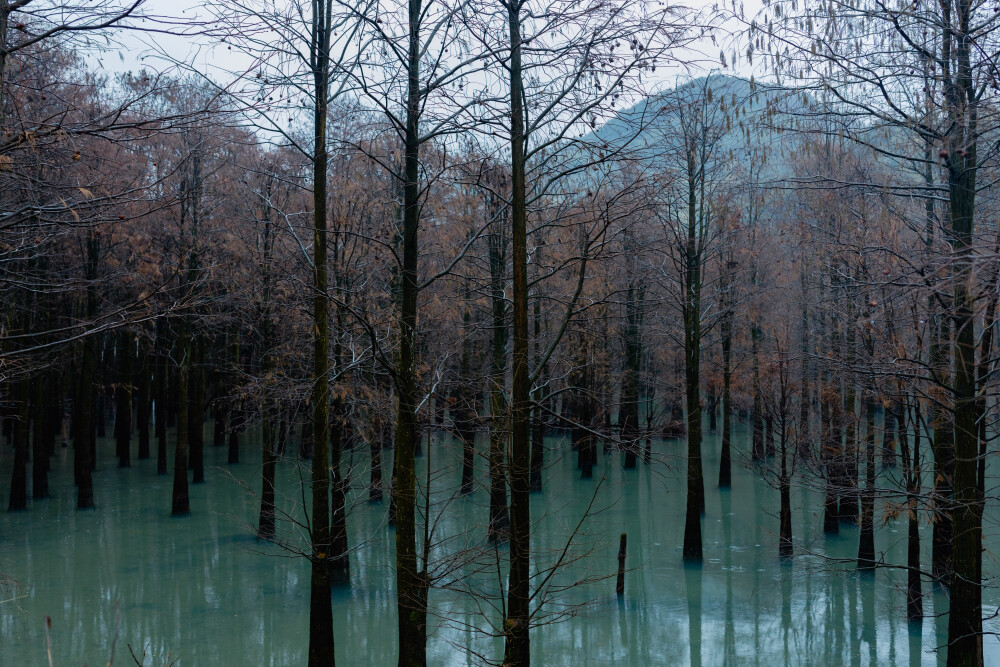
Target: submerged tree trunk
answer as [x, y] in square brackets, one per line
[266, 520]
[911, 477]
[848, 465]
[965, 621]
[235, 413]
[464, 409]
[785, 546]
[375, 476]
[340, 560]
[866, 539]
[123, 402]
[142, 416]
[726, 335]
[160, 400]
[516, 640]
[757, 418]
[628, 412]
[19, 474]
[695, 506]
[540, 392]
[411, 582]
[42, 436]
[321, 642]
[943, 449]
[196, 410]
[181, 503]
[85, 443]
[499, 521]
[803, 441]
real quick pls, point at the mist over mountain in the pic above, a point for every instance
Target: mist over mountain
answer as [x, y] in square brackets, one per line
[740, 118]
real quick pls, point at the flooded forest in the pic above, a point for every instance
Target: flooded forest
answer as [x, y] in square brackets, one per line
[499, 332]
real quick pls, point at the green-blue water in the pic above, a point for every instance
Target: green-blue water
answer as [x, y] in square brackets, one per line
[198, 588]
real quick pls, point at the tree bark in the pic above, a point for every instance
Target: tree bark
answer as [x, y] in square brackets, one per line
[411, 583]
[19, 474]
[516, 641]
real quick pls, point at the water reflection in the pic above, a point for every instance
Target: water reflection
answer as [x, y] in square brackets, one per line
[692, 589]
[196, 588]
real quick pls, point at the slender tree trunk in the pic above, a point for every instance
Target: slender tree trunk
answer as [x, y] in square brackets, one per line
[321, 642]
[411, 583]
[628, 413]
[375, 479]
[181, 500]
[235, 413]
[866, 540]
[848, 465]
[516, 645]
[196, 410]
[757, 418]
[785, 546]
[804, 437]
[538, 425]
[965, 623]
[42, 432]
[890, 436]
[160, 410]
[123, 402]
[499, 521]
[219, 428]
[85, 444]
[19, 474]
[266, 521]
[692, 375]
[911, 472]
[943, 448]
[142, 416]
[340, 562]
[726, 334]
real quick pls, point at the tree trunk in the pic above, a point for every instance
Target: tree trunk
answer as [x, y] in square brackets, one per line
[42, 432]
[123, 402]
[181, 500]
[965, 623]
[375, 480]
[538, 425]
[803, 441]
[19, 474]
[516, 641]
[235, 412]
[219, 428]
[340, 561]
[757, 442]
[628, 412]
[866, 539]
[911, 473]
[321, 643]
[848, 464]
[266, 521]
[196, 410]
[160, 400]
[142, 416]
[411, 583]
[726, 458]
[695, 506]
[85, 444]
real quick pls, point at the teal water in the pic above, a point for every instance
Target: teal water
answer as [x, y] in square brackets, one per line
[204, 590]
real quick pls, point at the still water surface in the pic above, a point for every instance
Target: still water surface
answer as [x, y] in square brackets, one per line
[198, 588]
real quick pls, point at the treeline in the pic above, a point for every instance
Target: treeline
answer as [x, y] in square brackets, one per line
[358, 238]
